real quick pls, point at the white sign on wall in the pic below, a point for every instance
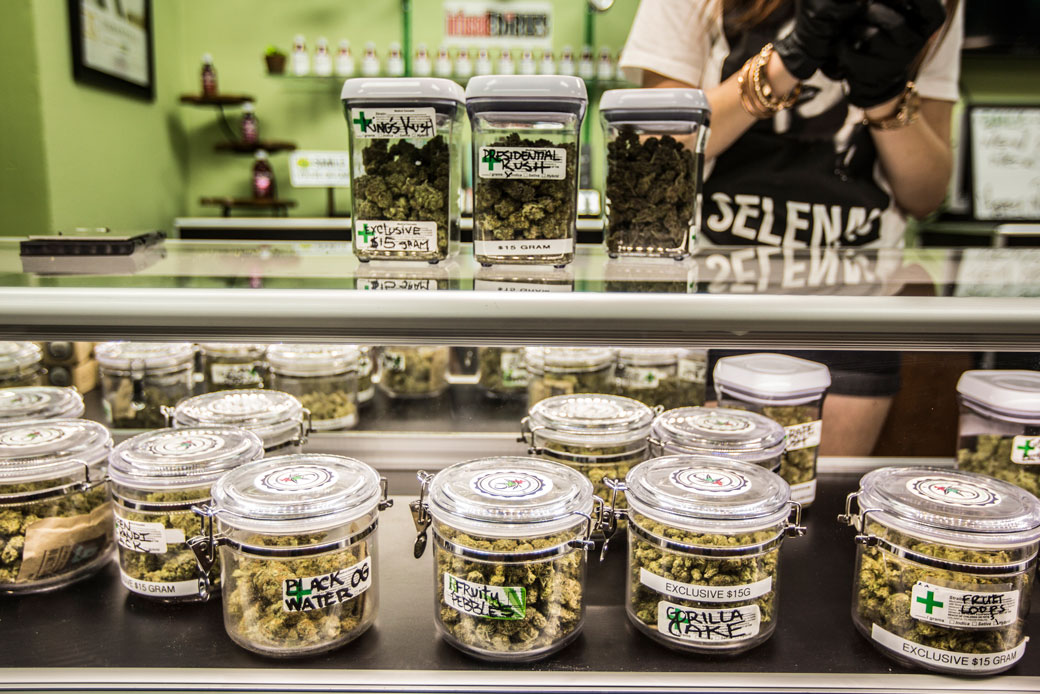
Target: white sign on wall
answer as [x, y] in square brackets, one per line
[484, 23]
[1005, 156]
[319, 169]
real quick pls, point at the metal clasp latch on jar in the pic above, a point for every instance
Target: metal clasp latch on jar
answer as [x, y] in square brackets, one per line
[527, 436]
[204, 547]
[615, 514]
[858, 520]
[421, 513]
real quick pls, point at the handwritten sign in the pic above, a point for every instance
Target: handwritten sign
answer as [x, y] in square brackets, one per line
[319, 169]
[489, 602]
[151, 538]
[378, 235]
[963, 609]
[805, 435]
[386, 123]
[713, 625]
[523, 162]
[334, 588]
[1005, 155]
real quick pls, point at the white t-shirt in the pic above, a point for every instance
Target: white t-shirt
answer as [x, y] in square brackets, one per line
[820, 183]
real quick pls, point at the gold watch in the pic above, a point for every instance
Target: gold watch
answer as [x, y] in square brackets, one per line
[906, 111]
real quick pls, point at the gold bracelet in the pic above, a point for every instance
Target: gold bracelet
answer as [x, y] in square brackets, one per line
[906, 111]
[748, 98]
[764, 91]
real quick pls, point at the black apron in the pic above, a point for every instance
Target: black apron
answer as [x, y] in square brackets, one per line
[791, 181]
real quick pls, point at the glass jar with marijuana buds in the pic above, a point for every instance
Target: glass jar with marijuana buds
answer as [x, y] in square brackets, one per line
[366, 371]
[40, 402]
[510, 538]
[413, 372]
[406, 166]
[55, 517]
[279, 419]
[654, 169]
[323, 377]
[296, 538]
[999, 432]
[21, 364]
[501, 372]
[704, 538]
[526, 131]
[155, 479]
[138, 379]
[734, 434]
[600, 436]
[232, 365]
[944, 567]
[651, 376]
[567, 371]
[790, 391]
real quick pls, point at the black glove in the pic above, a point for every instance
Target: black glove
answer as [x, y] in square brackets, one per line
[817, 25]
[882, 47]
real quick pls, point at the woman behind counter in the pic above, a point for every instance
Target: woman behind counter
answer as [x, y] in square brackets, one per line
[830, 124]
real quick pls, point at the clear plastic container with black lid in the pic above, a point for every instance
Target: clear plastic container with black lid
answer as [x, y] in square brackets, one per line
[406, 166]
[655, 141]
[734, 434]
[297, 542]
[600, 436]
[55, 517]
[155, 479]
[704, 539]
[323, 376]
[945, 563]
[138, 379]
[21, 364]
[279, 419]
[999, 432]
[510, 539]
[40, 402]
[526, 134]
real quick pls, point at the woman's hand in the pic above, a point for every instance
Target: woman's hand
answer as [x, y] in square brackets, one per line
[818, 24]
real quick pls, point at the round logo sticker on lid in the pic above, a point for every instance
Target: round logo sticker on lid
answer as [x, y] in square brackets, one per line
[297, 478]
[32, 436]
[186, 444]
[12, 398]
[708, 480]
[946, 490]
[721, 423]
[511, 484]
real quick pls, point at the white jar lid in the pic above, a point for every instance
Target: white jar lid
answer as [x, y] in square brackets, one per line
[147, 356]
[40, 402]
[1013, 393]
[773, 375]
[510, 497]
[956, 506]
[561, 93]
[39, 450]
[313, 359]
[737, 434]
[579, 419]
[397, 89]
[649, 356]
[296, 493]
[18, 355]
[691, 101]
[706, 493]
[274, 416]
[181, 458]
[568, 359]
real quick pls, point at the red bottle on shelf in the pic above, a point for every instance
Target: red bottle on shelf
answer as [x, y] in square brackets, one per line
[263, 177]
[209, 76]
[250, 127]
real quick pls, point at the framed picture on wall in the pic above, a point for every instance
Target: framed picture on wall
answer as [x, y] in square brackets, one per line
[112, 45]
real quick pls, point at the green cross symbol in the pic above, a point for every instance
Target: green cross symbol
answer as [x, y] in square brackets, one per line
[365, 233]
[929, 602]
[491, 159]
[1026, 448]
[651, 377]
[299, 593]
[362, 121]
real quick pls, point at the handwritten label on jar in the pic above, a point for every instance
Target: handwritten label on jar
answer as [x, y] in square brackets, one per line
[392, 361]
[806, 435]
[523, 247]
[489, 602]
[700, 593]
[953, 660]
[708, 625]
[233, 374]
[693, 370]
[319, 592]
[804, 492]
[523, 162]
[173, 589]
[641, 377]
[1025, 450]
[397, 284]
[385, 123]
[963, 608]
[514, 374]
[151, 538]
[379, 235]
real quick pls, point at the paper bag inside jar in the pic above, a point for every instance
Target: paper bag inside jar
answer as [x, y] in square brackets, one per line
[53, 545]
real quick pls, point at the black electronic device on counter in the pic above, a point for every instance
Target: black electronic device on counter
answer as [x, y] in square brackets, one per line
[97, 243]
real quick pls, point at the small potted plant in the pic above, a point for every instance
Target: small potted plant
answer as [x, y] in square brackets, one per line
[275, 60]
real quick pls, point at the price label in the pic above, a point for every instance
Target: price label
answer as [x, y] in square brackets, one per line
[702, 593]
[378, 235]
[954, 660]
